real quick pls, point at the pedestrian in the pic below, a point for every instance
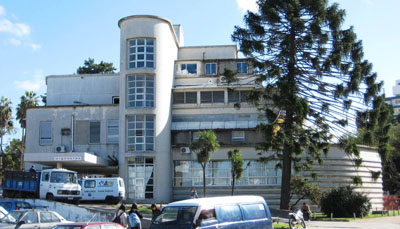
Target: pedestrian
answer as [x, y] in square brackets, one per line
[32, 169]
[193, 193]
[306, 212]
[156, 211]
[135, 217]
[121, 217]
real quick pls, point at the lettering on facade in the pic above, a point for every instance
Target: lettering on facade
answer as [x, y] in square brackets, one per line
[67, 158]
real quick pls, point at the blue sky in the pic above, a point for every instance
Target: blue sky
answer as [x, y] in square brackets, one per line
[46, 37]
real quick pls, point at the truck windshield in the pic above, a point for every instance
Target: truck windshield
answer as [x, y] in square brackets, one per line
[63, 177]
[176, 215]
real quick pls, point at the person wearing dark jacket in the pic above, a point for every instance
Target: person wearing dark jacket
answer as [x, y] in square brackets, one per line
[156, 211]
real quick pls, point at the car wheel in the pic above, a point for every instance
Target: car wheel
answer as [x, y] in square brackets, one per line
[50, 196]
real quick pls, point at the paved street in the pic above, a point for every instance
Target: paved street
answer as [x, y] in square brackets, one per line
[378, 223]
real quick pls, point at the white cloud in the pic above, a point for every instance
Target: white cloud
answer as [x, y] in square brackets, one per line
[18, 29]
[34, 46]
[247, 5]
[15, 42]
[35, 84]
[2, 11]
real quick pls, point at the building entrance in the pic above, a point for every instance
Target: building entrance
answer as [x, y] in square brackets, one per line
[141, 178]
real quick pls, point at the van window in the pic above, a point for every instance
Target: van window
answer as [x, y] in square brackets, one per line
[45, 176]
[90, 184]
[228, 213]
[176, 215]
[254, 211]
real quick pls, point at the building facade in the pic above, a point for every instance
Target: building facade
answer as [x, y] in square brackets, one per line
[139, 123]
[395, 99]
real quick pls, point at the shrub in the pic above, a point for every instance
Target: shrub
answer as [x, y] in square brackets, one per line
[344, 201]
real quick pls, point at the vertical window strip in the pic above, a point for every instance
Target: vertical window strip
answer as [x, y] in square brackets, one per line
[140, 91]
[45, 133]
[113, 131]
[140, 133]
[141, 53]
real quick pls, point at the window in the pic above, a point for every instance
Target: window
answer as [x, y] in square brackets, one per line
[140, 133]
[141, 53]
[48, 217]
[90, 184]
[94, 132]
[211, 68]
[228, 213]
[212, 97]
[45, 176]
[195, 136]
[115, 100]
[141, 178]
[112, 131]
[254, 211]
[30, 217]
[189, 68]
[236, 96]
[241, 67]
[185, 98]
[140, 91]
[238, 136]
[218, 173]
[45, 133]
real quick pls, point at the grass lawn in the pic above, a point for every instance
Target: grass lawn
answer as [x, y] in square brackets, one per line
[280, 225]
[323, 217]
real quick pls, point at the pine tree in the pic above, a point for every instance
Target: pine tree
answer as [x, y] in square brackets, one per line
[314, 77]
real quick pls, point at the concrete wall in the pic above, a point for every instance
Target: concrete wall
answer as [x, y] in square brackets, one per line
[208, 52]
[61, 117]
[86, 89]
[166, 49]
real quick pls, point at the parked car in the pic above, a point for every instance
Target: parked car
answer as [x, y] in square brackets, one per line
[11, 205]
[216, 212]
[91, 225]
[32, 218]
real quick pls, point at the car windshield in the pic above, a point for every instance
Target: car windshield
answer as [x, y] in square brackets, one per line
[176, 215]
[11, 217]
[63, 177]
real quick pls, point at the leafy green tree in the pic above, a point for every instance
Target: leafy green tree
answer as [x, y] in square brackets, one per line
[29, 100]
[237, 166]
[89, 67]
[303, 188]
[6, 123]
[12, 158]
[204, 147]
[313, 76]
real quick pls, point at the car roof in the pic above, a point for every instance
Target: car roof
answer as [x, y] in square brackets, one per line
[84, 223]
[211, 201]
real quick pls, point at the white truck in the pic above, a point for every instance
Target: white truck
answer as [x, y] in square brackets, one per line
[50, 184]
[110, 189]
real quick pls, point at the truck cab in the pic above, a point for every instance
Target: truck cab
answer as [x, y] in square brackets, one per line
[59, 184]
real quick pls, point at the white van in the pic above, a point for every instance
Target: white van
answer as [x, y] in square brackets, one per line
[111, 189]
[216, 212]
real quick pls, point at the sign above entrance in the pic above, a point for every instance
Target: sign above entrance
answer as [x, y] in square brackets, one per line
[74, 158]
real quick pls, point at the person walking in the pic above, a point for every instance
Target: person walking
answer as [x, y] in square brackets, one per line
[121, 217]
[156, 211]
[193, 193]
[135, 217]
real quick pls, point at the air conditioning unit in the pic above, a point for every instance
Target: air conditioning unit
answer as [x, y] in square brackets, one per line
[222, 79]
[60, 149]
[185, 150]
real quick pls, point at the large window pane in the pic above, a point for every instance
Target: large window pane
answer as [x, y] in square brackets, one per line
[189, 68]
[218, 96]
[179, 97]
[45, 133]
[206, 97]
[141, 53]
[140, 133]
[191, 97]
[140, 90]
[211, 68]
[112, 131]
[241, 67]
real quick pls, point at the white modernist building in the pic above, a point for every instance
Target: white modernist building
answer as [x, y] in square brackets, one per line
[395, 99]
[138, 123]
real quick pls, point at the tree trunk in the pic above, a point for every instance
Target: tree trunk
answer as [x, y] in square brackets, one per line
[233, 184]
[286, 175]
[204, 179]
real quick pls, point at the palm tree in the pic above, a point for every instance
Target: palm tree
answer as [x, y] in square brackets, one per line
[204, 147]
[6, 124]
[30, 99]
